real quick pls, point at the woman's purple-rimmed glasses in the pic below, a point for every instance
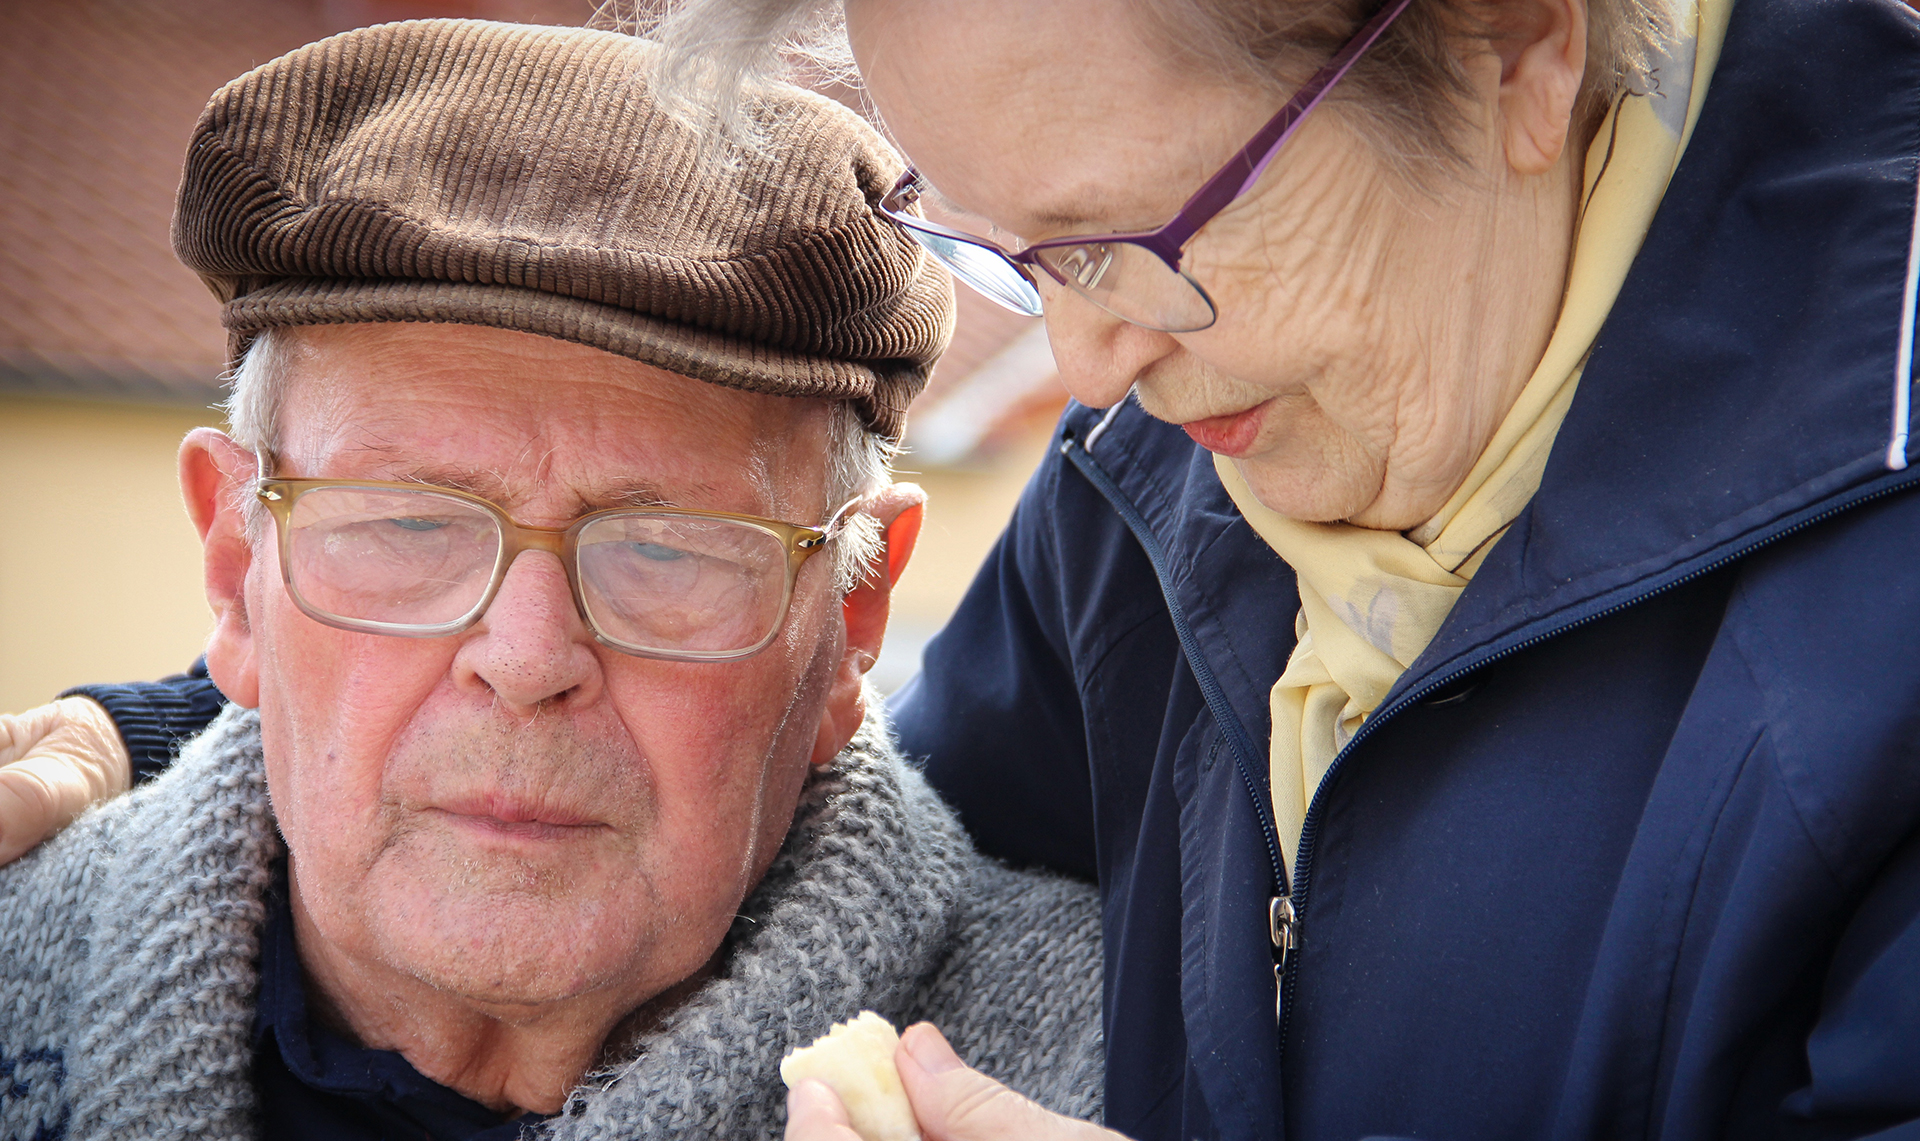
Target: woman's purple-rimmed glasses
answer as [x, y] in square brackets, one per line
[1135, 277]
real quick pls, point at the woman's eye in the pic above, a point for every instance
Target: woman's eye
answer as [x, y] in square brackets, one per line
[411, 524]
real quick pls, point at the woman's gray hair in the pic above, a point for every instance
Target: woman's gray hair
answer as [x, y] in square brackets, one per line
[1407, 88]
[859, 462]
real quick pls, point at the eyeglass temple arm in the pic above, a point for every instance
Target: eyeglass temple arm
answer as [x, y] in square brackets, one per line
[1244, 169]
[263, 466]
[834, 524]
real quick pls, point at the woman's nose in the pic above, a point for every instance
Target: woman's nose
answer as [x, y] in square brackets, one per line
[531, 647]
[1098, 354]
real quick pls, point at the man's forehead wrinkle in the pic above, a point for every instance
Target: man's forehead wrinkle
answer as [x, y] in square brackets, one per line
[779, 470]
[315, 445]
[542, 467]
[764, 457]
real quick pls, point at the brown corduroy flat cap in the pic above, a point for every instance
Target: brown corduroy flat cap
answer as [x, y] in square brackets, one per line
[522, 177]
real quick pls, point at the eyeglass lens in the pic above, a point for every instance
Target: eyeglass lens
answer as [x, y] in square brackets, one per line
[984, 269]
[1132, 283]
[406, 562]
[1126, 280]
[679, 583]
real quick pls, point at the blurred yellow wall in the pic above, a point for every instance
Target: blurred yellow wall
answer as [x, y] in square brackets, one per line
[967, 508]
[99, 566]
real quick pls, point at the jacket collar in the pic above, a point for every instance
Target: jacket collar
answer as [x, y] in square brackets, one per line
[1743, 383]
[1745, 379]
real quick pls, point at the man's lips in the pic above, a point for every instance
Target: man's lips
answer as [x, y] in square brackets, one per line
[510, 816]
[1230, 435]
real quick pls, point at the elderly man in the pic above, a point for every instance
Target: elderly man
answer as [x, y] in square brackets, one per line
[547, 552]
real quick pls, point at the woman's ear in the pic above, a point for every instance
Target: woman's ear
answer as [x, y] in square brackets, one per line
[898, 510]
[216, 478]
[1542, 45]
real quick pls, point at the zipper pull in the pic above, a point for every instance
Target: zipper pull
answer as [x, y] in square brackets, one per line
[1283, 926]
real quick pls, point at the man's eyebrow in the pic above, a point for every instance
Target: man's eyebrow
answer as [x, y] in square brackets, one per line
[490, 486]
[635, 494]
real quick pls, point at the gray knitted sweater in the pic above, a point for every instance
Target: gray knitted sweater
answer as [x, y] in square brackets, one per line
[129, 953]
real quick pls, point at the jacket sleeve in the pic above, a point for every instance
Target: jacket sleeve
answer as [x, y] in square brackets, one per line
[156, 717]
[995, 713]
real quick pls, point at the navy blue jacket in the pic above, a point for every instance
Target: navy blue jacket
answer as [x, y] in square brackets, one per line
[1633, 850]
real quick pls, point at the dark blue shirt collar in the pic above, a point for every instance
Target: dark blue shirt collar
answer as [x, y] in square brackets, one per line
[314, 1083]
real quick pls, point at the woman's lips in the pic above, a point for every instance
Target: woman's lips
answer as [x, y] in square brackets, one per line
[1231, 435]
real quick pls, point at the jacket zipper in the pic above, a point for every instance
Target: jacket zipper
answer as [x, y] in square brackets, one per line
[1282, 924]
[1309, 830]
[1287, 909]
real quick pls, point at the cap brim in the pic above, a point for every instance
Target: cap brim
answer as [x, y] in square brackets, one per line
[697, 353]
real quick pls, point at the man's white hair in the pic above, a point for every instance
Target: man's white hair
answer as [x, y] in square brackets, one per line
[859, 462]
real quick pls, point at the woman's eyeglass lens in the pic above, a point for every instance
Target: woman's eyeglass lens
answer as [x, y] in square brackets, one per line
[1132, 283]
[425, 564]
[1128, 281]
[986, 270]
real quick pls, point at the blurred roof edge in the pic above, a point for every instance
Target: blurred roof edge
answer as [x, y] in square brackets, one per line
[27, 372]
[99, 97]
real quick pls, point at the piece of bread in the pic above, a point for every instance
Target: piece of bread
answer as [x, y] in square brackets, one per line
[855, 1059]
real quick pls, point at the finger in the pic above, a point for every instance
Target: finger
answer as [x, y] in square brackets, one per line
[84, 732]
[30, 806]
[815, 1113]
[20, 732]
[55, 761]
[957, 1103]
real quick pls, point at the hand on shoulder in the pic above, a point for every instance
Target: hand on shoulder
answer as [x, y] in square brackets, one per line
[55, 760]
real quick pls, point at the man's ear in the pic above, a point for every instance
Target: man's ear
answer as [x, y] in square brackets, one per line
[216, 476]
[1542, 45]
[898, 510]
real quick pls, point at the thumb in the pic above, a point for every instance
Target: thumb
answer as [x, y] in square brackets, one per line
[815, 1113]
[954, 1102]
[38, 796]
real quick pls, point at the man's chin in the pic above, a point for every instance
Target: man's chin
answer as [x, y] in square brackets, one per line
[509, 934]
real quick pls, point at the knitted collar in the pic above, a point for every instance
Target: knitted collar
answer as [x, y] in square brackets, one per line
[855, 911]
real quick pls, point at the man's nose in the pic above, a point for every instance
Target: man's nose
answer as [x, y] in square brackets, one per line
[531, 646]
[1098, 354]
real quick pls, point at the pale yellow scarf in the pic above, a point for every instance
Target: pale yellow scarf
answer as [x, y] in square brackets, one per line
[1371, 601]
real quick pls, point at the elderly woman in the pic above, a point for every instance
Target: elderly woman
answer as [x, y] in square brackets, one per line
[1483, 644]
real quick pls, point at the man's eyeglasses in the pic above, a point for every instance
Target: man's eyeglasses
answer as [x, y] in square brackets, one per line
[1135, 277]
[423, 562]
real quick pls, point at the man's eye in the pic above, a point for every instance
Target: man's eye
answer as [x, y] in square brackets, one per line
[656, 552]
[415, 524]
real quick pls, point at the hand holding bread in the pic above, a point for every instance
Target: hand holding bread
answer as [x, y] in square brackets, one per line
[946, 1099]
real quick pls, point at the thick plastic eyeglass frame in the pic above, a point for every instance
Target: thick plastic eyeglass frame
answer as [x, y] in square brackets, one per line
[1227, 185]
[280, 494]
